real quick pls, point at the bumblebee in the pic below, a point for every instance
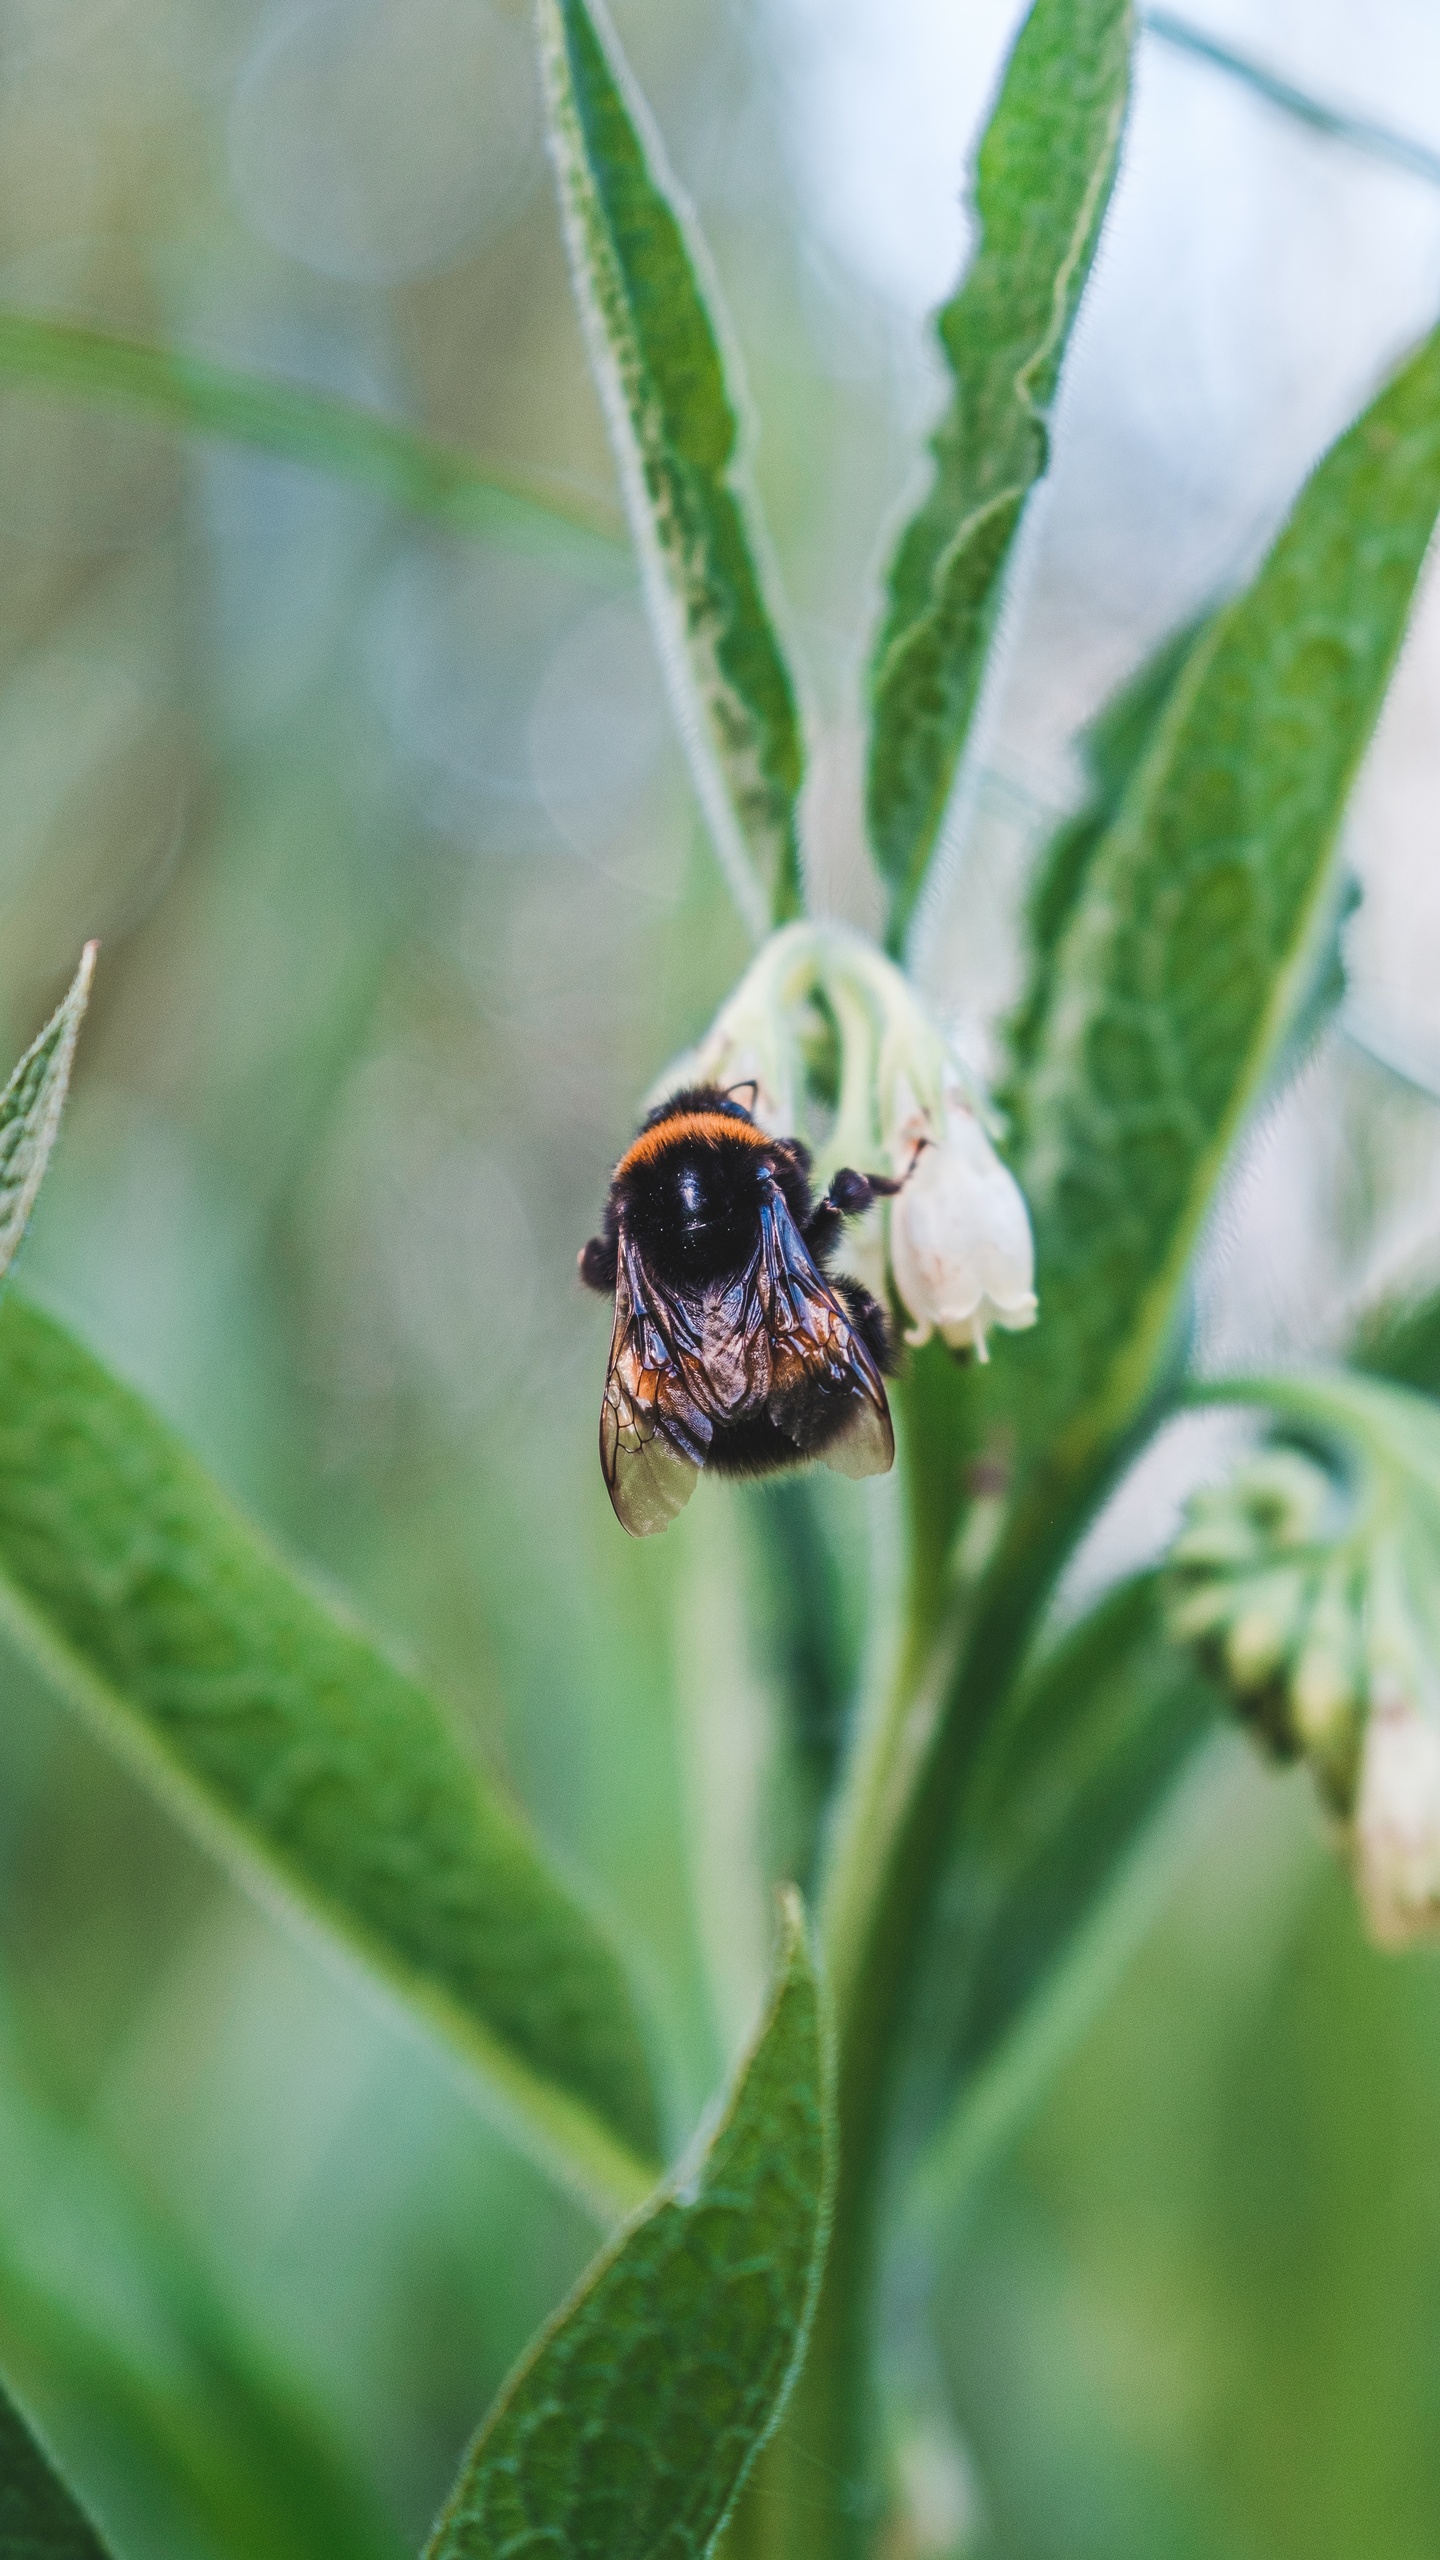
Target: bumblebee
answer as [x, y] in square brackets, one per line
[734, 1346]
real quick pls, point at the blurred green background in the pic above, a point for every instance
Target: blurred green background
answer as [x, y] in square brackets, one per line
[404, 904]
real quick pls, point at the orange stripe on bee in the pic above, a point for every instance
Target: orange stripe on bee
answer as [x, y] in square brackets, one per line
[709, 1125]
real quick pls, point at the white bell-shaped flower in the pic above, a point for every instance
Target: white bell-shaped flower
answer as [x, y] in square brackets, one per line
[1397, 1821]
[961, 1257]
[961, 1251]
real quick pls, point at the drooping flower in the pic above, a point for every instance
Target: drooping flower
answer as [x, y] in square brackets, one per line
[955, 1244]
[961, 1250]
[1311, 1595]
[1397, 1821]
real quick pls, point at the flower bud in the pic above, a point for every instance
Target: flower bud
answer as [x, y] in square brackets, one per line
[1396, 1838]
[1263, 1628]
[1245, 1588]
[960, 1244]
[1327, 1681]
[1312, 1594]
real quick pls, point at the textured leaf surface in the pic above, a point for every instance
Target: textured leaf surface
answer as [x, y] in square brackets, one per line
[1203, 915]
[299, 424]
[303, 1755]
[1112, 748]
[1043, 180]
[629, 2428]
[30, 1109]
[39, 2519]
[650, 311]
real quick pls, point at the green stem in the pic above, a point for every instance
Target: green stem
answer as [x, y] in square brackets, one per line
[967, 1630]
[1378, 141]
[1003, 2092]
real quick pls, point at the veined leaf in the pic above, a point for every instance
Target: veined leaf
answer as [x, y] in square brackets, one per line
[1202, 918]
[650, 308]
[1042, 184]
[309, 1763]
[39, 2520]
[629, 2427]
[300, 424]
[30, 1109]
[1051, 1880]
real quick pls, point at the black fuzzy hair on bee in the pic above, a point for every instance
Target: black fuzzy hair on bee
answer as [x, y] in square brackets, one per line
[735, 1346]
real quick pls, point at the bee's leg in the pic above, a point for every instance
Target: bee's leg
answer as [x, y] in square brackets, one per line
[850, 1195]
[599, 1263]
[872, 1324]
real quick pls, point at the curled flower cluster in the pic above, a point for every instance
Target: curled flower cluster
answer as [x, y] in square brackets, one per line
[841, 1050]
[1313, 1601]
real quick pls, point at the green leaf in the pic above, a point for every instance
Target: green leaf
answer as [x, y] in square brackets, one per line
[1401, 1341]
[1056, 1872]
[104, 2310]
[1203, 916]
[39, 2519]
[1112, 748]
[629, 2427]
[30, 1109]
[650, 307]
[301, 425]
[1046, 166]
[808, 1593]
[309, 1763]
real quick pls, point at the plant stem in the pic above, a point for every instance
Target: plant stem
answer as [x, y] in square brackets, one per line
[895, 1827]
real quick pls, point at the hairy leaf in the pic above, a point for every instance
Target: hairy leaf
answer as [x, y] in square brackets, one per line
[650, 309]
[629, 2427]
[1043, 180]
[1202, 918]
[308, 1762]
[39, 2520]
[1112, 748]
[30, 1109]
[300, 424]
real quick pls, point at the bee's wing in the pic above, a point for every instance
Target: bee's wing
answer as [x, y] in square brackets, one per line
[654, 1436]
[813, 1340]
[866, 1445]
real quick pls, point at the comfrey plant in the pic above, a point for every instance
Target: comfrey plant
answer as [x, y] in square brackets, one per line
[956, 1243]
[720, 2371]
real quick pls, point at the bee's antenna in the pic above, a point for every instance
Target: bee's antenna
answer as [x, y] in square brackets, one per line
[747, 1084]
